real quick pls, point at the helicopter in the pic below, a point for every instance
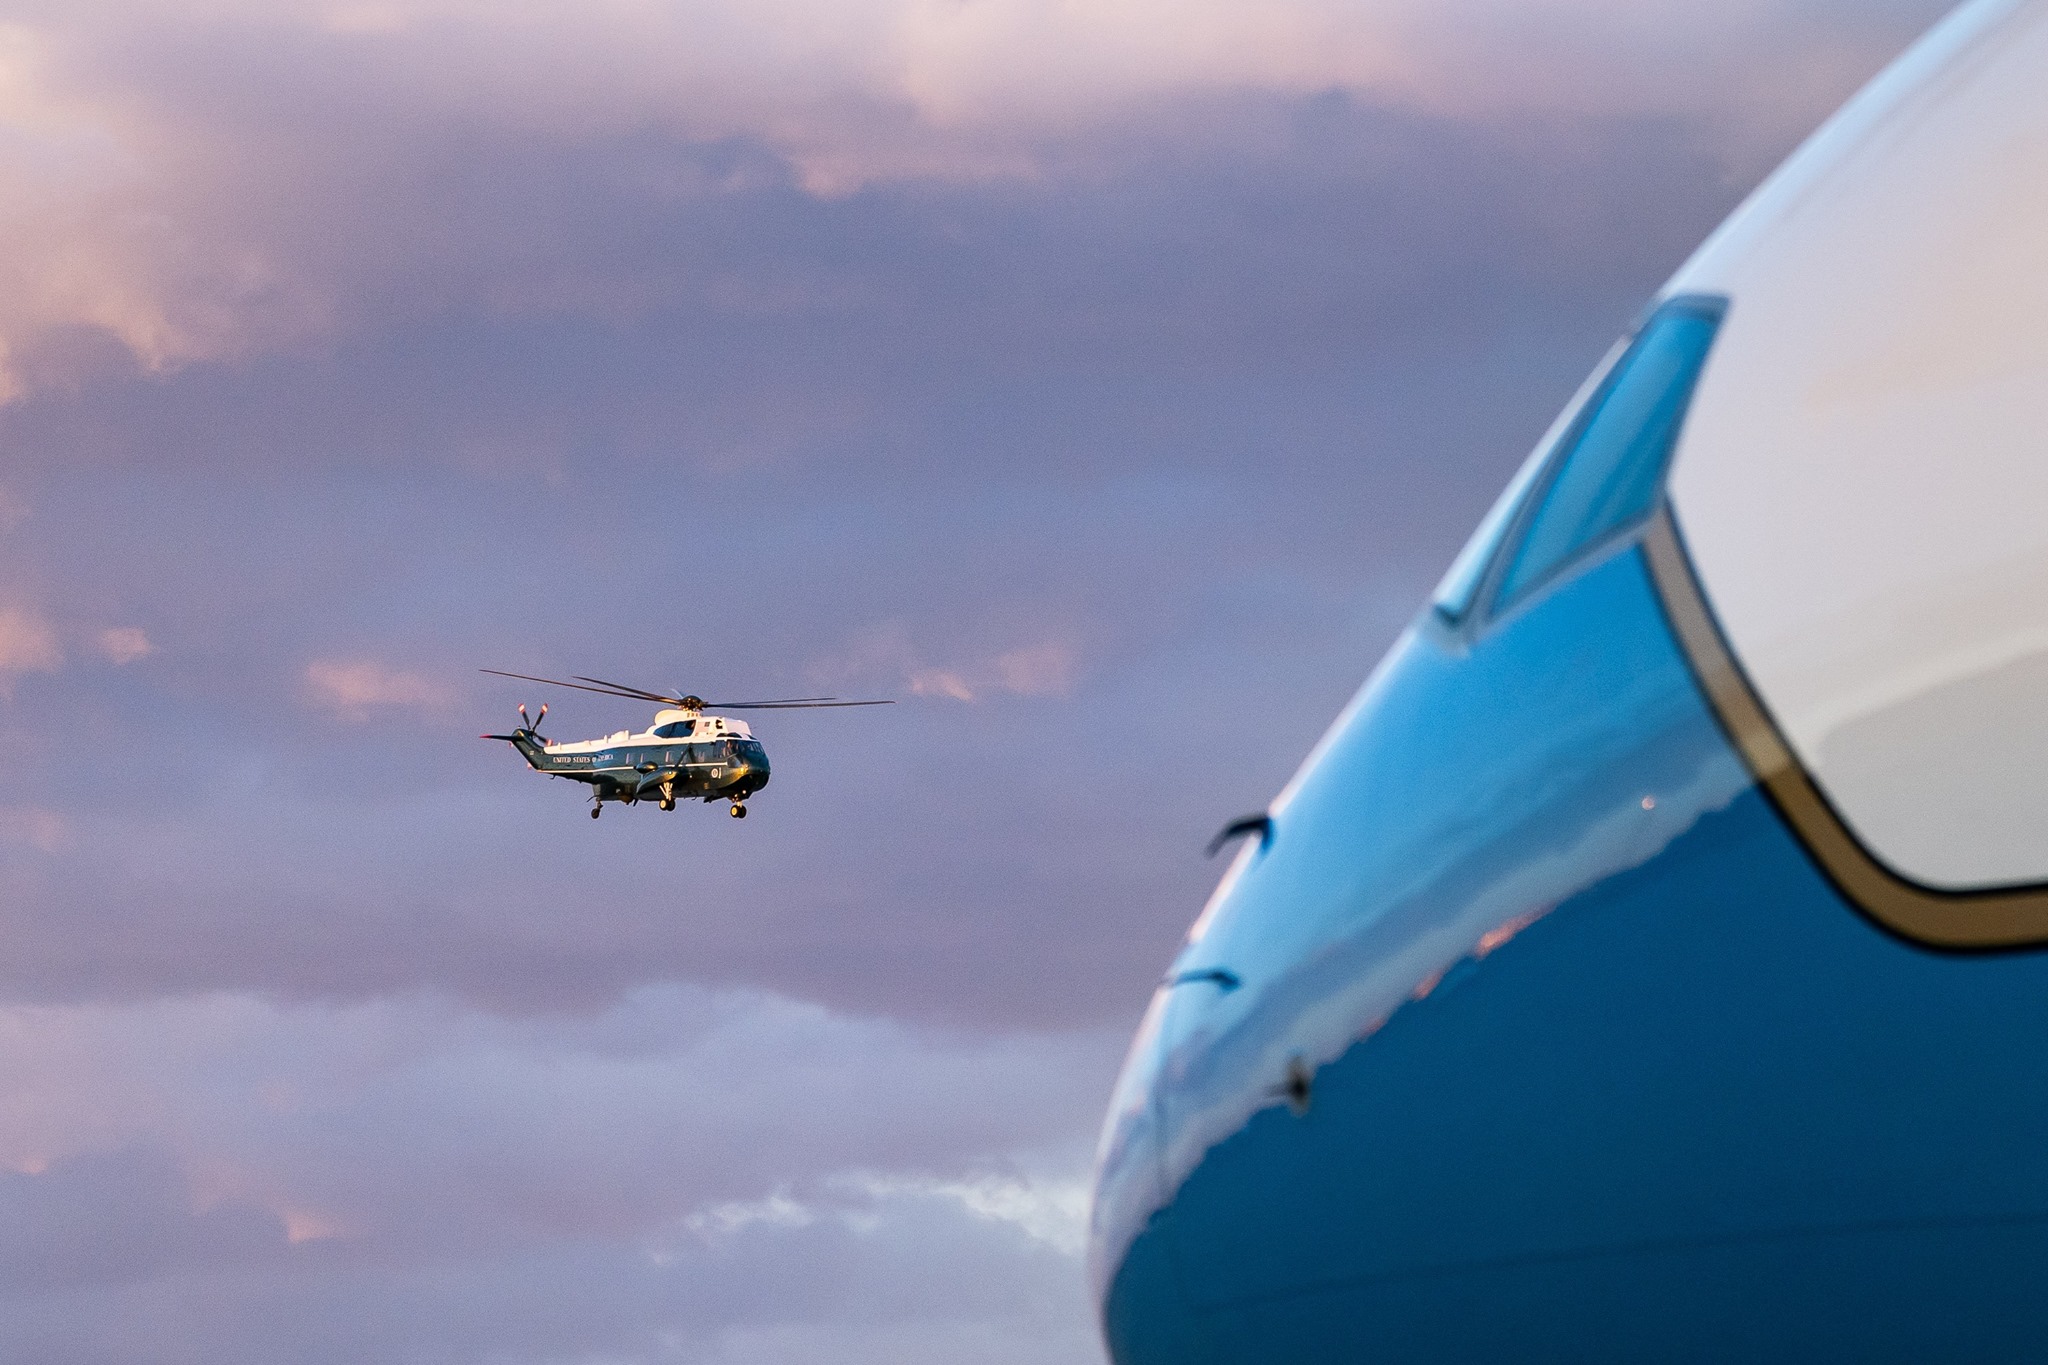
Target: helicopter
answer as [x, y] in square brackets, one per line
[682, 755]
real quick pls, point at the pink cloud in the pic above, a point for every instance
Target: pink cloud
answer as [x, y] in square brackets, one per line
[940, 682]
[43, 830]
[1047, 669]
[353, 689]
[124, 644]
[28, 644]
[258, 213]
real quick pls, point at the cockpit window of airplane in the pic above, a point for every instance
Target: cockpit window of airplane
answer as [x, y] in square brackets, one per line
[1609, 467]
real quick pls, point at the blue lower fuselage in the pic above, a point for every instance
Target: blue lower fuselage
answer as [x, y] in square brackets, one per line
[1533, 1033]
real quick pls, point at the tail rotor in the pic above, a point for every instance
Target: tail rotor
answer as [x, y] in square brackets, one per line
[528, 734]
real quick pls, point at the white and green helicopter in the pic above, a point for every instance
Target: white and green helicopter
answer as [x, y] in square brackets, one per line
[684, 755]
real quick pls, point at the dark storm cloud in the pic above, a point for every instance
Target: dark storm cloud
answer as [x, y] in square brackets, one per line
[99, 1219]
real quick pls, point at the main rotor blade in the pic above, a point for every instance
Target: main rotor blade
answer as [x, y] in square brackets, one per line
[631, 694]
[778, 703]
[789, 705]
[639, 692]
[612, 689]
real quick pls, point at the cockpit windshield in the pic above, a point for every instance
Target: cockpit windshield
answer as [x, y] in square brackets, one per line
[674, 729]
[1609, 470]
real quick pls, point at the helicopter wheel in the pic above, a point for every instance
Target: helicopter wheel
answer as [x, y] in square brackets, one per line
[738, 812]
[668, 803]
[596, 811]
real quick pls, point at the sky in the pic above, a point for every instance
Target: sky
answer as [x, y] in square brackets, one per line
[1106, 382]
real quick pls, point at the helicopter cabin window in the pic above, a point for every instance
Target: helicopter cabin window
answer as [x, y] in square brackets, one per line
[674, 729]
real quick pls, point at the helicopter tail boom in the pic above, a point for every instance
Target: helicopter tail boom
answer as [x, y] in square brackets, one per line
[526, 742]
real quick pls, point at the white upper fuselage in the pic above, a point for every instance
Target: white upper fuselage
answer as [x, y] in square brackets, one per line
[1863, 479]
[669, 726]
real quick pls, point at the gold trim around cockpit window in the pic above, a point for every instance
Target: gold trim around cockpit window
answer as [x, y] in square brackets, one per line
[2008, 917]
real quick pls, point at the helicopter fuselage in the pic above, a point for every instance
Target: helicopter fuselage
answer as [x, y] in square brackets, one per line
[682, 756]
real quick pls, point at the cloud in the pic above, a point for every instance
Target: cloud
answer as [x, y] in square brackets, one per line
[354, 689]
[1050, 1210]
[897, 1281]
[671, 1104]
[219, 183]
[1049, 668]
[44, 830]
[109, 1218]
[122, 645]
[1054, 1212]
[940, 682]
[728, 1162]
[28, 644]
[1046, 670]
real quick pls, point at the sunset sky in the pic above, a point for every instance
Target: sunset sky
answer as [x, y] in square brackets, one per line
[1106, 381]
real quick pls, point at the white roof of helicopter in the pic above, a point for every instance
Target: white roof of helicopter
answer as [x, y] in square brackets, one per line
[722, 727]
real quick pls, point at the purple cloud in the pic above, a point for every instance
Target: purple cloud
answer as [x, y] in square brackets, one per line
[267, 175]
[724, 1162]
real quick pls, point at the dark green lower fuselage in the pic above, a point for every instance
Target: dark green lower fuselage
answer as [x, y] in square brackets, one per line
[728, 768]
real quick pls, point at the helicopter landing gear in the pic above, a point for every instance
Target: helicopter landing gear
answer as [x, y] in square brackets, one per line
[595, 810]
[668, 803]
[668, 794]
[738, 812]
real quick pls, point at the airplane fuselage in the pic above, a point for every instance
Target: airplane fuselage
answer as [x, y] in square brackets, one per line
[1652, 962]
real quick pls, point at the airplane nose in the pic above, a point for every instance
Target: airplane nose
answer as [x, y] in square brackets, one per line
[1470, 790]
[1144, 1313]
[1536, 1033]
[1127, 1188]
[1535, 733]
